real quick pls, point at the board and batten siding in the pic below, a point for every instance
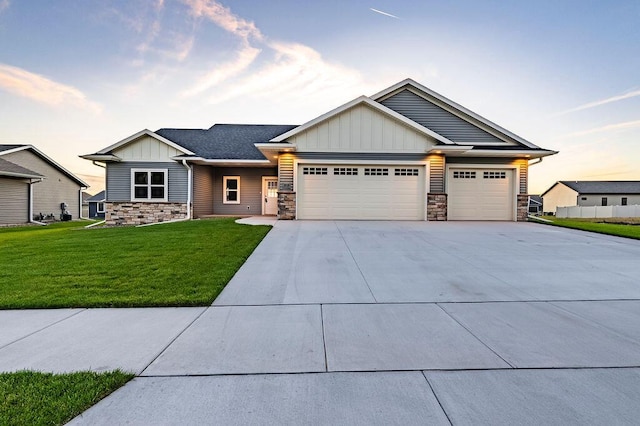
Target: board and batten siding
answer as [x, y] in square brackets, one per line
[361, 129]
[436, 173]
[14, 194]
[250, 190]
[147, 148]
[438, 119]
[203, 181]
[56, 188]
[119, 180]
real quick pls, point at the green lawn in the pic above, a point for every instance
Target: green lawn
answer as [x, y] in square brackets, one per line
[178, 264]
[31, 398]
[597, 225]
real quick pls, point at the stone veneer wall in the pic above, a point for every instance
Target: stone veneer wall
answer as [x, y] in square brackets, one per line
[523, 207]
[436, 206]
[286, 205]
[135, 213]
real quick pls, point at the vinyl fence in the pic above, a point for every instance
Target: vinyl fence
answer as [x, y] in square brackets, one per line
[598, 211]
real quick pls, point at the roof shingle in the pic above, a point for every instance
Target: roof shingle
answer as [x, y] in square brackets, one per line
[604, 187]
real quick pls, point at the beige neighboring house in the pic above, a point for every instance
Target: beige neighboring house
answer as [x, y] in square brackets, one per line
[31, 183]
[590, 193]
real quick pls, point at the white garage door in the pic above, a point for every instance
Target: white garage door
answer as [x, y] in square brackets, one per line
[360, 192]
[480, 194]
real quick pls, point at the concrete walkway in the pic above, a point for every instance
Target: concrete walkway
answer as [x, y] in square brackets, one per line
[373, 323]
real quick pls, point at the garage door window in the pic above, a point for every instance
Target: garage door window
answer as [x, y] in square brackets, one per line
[406, 172]
[464, 175]
[376, 172]
[345, 171]
[314, 171]
[495, 175]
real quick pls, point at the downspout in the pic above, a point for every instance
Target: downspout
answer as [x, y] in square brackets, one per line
[529, 165]
[31, 182]
[82, 188]
[189, 187]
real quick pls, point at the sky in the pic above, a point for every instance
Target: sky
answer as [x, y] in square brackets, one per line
[79, 75]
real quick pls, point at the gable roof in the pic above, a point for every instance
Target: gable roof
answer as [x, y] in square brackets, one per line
[375, 105]
[141, 133]
[7, 168]
[6, 149]
[226, 141]
[99, 197]
[452, 107]
[603, 187]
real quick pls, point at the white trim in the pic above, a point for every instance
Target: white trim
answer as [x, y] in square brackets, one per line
[141, 133]
[98, 207]
[457, 108]
[101, 157]
[376, 106]
[224, 190]
[264, 195]
[50, 160]
[148, 185]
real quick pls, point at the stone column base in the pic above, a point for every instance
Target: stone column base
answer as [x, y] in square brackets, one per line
[137, 213]
[523, 208]
[436, 206]
[286, 205]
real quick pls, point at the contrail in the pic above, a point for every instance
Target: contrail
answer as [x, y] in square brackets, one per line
[383, 13]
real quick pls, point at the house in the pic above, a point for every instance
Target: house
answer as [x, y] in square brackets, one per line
[85, 204]
[96, 205]
[33, 185]
[405, 153]
[568, 193]
[535, 205]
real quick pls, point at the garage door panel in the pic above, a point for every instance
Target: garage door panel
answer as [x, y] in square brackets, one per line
[361, 192]
[480, 194]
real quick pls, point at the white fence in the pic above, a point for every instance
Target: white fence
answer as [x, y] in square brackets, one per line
[598, 211]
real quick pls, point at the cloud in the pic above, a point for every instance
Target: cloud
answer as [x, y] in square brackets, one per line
[224, 18]
[383, 13]
[594, 104]
[608, 128]
[4, 5]
[43, 90]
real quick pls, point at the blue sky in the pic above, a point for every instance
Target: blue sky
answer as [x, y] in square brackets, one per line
[76, 76]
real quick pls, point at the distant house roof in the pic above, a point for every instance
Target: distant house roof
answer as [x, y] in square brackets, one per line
[6, 149]
[601, 186]
[226, 141]
[7, 168]
[98, 198]
[536, 199]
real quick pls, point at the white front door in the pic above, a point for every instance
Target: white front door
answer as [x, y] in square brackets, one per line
[270, 196]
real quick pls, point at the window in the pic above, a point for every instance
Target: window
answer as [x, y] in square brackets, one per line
[604, 201]
[100, 208]
[464, 175]
[345, 171]
[149, 184]
[376, 172]
[231, 189]
[623, 201]
[406, 172]
[583, 198]
[314, 170]
[495, 175]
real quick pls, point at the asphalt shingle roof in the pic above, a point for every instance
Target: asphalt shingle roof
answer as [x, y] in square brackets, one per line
[12, 169]
[97, 198]
[226, 141]
[604, 187]
[8, 147]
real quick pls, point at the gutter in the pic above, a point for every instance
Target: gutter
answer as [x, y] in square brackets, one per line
[189, 186]
[31, 182]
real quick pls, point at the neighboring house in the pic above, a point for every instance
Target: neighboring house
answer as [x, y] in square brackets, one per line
[406, 153]
[85, 204]
[590, 193]
[535, 205]
[31, 183]
[96, 206]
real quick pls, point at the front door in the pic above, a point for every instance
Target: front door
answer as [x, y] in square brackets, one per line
[270, 196]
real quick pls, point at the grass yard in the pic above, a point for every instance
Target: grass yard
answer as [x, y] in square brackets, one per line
[31, 398]
[629, 230]
[178, 264]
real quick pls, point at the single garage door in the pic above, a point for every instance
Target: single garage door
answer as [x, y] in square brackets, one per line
[480, 194]
[372, 192]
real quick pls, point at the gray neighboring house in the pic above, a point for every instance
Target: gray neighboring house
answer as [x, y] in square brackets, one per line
[96, 205]
[405, 153]
[567, 193]
[32, 183]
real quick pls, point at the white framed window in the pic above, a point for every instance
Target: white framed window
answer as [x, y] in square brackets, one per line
[231, 189]
[100, 207]
[149, 184]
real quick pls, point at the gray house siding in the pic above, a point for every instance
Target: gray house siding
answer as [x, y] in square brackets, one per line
[119, 180]
[250, 190]
[14, 195]
[436, 174]
[612, 199]
[437, 119]
[285, 172]
[55, 189]
[203, 180]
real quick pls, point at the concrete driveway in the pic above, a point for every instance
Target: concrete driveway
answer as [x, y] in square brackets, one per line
[391, 323]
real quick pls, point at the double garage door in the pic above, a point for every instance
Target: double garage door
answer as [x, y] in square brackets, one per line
[368, 192]
[397, 192]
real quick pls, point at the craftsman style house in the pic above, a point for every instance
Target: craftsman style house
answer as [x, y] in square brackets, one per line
[406, 153]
